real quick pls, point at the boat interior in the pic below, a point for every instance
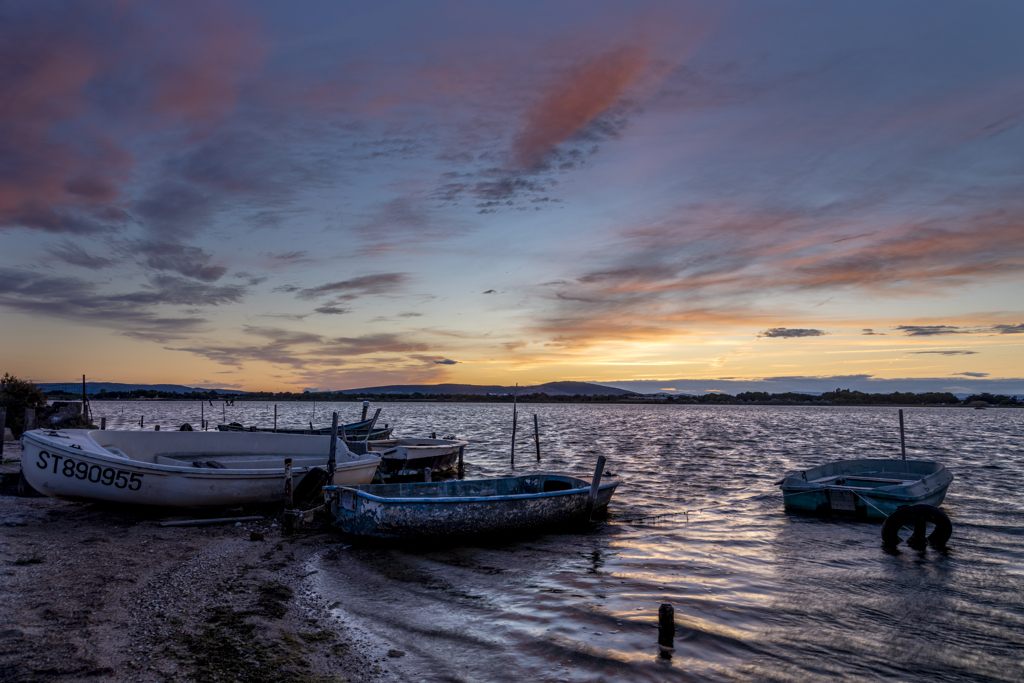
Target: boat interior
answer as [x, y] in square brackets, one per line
[870, 474]
[219, 450]
[508, 486]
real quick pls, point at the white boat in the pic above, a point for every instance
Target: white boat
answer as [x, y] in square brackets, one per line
[179, 469]
[405, 457]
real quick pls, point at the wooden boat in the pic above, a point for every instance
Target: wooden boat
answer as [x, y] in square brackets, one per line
[179, 469]
[354, 431]
[866, 488]
[408, 457]
[459, 508]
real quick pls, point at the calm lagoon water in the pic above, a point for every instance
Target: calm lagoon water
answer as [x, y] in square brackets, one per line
[759, 594]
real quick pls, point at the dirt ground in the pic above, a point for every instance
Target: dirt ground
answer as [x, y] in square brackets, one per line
[95, 593]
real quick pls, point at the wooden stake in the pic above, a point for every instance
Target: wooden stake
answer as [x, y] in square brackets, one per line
[366, 406]
[333, 453]
[903, 442]
[202, 415]
[157, 428]
[666, 628]
[103, 423]
[275, 418]
[462, 449]
[594, 485]
[536, 435]
[289, 497]
[369, 431]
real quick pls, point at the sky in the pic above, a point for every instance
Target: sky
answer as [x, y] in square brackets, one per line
[668, 195]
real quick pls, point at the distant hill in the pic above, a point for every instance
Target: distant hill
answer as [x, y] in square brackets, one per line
[551, 389]
[96, 387]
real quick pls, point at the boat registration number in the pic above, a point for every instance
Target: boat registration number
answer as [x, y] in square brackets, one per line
[843, 500]
[107, 476]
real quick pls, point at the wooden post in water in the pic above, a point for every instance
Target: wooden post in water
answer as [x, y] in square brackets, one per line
[536, 435]
[369, 430]
[289, 498]
[462, 469]
[30, 419]
[594, 485]
[202, 415]
[366, 406]
[103, 423]
[333, 453]
[142, 419]
[666, 629]
[427, 476]
[157, 428]
[275, 418]
[903, 441]
[3, 432]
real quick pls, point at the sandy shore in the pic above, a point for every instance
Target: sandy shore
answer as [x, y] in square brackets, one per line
[101, 594]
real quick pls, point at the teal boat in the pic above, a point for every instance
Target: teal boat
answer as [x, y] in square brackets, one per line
[872, 489]
[457, 509]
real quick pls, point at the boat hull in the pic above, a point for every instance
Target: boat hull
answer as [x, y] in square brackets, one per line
[459, 509]
[871, 489]
[406, 457]
[73, 465]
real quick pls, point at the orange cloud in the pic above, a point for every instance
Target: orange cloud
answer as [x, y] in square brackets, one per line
[577, 99]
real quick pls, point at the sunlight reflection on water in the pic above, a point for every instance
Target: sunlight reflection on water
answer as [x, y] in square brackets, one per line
[759, 594]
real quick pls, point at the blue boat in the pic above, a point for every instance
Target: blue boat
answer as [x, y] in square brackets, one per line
[873, 489]
[456, 509]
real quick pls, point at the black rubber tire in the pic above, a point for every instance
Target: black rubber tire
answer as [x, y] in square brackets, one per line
[914, 513]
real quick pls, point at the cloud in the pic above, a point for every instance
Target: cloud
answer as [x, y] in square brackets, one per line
[188, 261]
[1009, 329]
[446, 361]
[576, 100]
[73, 254]
[349, 290]
[870, 332]
[133, 313]
[948, 353]
[972, 374]
[791, 332]
[332, 310]
[928, 330]
[490, 291]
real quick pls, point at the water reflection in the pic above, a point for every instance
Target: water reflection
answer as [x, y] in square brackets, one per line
[759, 594]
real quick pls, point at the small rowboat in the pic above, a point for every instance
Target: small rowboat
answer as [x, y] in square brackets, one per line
[455, 509]
[407, 457]
[353, 432]
[179, 469]
[866, 488]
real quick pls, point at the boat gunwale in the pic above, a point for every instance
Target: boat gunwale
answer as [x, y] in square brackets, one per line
[471, 499]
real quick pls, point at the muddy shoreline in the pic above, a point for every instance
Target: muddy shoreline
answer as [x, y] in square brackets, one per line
[93, 592]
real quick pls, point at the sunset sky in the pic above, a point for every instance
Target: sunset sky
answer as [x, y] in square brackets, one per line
[333, 195]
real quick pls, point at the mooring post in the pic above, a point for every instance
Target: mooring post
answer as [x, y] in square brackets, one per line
[462, 450]
[202, 415]
[433, 435]
[252, 428]
[289, 497]
[514, 418]
[157, 428]
[275, 418]
[333, 453]
[536, 435]
[30, 419]
[369, 431]
[103, 423]
[903, 441]
[594, 485]
[366, 406]
[427, 475]
[142, 420]
[3, 430]
[666, 629]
